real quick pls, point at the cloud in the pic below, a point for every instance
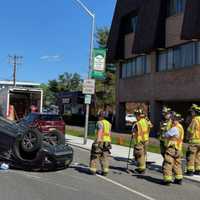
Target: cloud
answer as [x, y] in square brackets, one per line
[52, 58]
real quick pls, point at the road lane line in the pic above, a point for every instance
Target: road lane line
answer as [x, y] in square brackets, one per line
[120, 185]
[126, 188]
[45, 180]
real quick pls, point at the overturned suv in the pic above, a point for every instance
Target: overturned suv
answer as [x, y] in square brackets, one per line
[26, 148]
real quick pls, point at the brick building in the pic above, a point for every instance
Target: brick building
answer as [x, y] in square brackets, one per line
[155, 45]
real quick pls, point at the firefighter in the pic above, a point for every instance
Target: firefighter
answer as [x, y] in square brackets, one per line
[193, 152]
[173, 151]
[165, 125]
[101, 147]
[140, 133]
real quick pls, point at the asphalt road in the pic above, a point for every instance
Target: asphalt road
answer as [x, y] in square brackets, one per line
[76, 184]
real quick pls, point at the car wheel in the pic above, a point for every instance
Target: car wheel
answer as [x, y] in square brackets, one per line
[55, 137]
[31, 140]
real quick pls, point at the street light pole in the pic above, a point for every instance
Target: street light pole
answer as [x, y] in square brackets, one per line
[91, 14]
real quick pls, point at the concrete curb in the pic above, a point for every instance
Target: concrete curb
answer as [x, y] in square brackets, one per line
[185, 177]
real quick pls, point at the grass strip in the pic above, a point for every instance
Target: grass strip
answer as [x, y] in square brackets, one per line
[115, 140]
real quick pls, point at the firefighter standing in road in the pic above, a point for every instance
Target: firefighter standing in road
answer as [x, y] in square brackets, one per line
[193, 152]
[165, 125]
[173, 151]
[141, 137]
[101, 147]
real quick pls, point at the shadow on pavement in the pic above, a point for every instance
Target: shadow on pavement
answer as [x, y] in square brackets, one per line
[121, 159]
[81, 168]
[154, 167]
[151, 165]
[150, 179]
[119, 170]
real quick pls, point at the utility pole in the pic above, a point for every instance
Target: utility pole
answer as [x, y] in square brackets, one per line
[15, 60]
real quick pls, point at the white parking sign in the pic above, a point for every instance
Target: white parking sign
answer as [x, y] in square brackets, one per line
[89, 86]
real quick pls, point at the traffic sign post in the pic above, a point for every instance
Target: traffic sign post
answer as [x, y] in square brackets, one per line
[88, 90]
[88, 86]
[88, 99]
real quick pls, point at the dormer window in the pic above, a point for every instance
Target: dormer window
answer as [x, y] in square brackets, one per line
[176, 7]
[134, 22]
[130, 24]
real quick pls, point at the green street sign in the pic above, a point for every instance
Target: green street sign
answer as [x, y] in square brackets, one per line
[98, 75]
[111, 68]
[99, 59]
[88, 99]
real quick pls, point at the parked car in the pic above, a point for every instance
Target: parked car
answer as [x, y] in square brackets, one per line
[25, 148]
[130, 118]
[44, 122]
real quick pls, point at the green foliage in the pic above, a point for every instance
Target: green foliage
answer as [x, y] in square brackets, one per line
[69, 82]
[105, 89]
[53, 86]
[126, 142]
[48, 96]
[65, 82]
[102, 36]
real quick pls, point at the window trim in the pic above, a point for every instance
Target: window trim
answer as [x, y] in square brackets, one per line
[139, 67]
[175, 7]
[194, 56]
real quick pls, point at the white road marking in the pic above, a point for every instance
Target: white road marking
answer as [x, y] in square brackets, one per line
[120, 185]
[75, 177]
[45, 180]
[125, 187]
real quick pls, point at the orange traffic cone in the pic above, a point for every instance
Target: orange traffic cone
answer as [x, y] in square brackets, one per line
[120, 140]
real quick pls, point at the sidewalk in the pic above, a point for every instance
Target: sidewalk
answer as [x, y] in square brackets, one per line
[121, 152]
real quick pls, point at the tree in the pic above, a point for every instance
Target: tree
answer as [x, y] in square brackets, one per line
[105, 89]
[69, 82]
[76, 82]
[102, 36]
[48, 95]
[65, 82]
[53, 86]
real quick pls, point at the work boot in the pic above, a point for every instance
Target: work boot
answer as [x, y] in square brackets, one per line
[189, 173]
[197, 172]
[167, 183]
[104, 173]
[92, 173]
[140, 171]
[178, 181]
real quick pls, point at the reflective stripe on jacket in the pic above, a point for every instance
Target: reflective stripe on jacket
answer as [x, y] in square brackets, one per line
[106, 135]
[175, 142]
[194, 130]
[165, 126]
[180, 140]
[143, 129]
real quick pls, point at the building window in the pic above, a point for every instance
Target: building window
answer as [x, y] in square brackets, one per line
[197, 53]
[129, 69]
[123, 70]
[135, 67]
[165, 60]
[130, 24]
[134, 22]
[178, 57]
[176, 7]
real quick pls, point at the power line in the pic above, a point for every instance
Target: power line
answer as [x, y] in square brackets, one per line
[15, 60]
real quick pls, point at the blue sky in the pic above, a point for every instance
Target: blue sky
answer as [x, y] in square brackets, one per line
[52, 35]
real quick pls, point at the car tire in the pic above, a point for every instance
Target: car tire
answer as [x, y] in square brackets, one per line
[56, 137]
[31, 140]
